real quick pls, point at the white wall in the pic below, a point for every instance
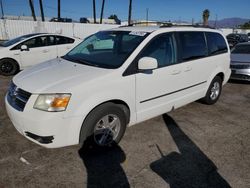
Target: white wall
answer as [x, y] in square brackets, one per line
[13, 28]
[228, 31]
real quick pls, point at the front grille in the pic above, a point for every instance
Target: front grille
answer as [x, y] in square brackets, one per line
[234, 66]
[17, 97]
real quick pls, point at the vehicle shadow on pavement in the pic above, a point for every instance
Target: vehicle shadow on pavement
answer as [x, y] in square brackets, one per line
[103, 166]
[189, 168]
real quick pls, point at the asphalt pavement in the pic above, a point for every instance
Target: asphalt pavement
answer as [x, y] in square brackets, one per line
[194, 146]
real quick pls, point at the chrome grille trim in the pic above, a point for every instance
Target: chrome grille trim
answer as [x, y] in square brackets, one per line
[17, 97]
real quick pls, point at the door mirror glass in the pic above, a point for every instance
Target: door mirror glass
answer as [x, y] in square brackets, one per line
[24, 48]
[147, 63]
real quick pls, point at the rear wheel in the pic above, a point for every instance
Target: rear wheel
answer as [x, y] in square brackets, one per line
[8, 67]
[105, 125]
[214, 91]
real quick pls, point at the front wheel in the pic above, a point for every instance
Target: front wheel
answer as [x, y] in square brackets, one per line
[105, 125]
[214, 91]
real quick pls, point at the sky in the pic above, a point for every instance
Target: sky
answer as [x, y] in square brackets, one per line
[158, 10]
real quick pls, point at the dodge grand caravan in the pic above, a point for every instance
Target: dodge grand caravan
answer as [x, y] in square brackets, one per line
[114, 79]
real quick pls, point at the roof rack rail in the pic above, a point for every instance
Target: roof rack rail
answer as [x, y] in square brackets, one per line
[166, 24]
[157, 23]
[188, 25]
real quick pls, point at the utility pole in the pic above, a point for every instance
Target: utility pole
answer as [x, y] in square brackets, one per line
[147, 16]
[41, 9]
[1, 4]
[94, 12]
[215, 23]
[103, 3]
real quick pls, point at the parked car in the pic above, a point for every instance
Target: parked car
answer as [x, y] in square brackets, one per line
[67, 20]
[235, 38]
[114, 79]
[28, 50]
[240, 62]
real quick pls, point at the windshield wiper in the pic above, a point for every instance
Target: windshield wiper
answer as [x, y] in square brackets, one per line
[80, 61]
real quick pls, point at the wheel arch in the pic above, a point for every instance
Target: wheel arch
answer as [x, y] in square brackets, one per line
[119, 102]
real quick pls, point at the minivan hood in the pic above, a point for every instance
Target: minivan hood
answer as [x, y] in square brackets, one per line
[57, 76]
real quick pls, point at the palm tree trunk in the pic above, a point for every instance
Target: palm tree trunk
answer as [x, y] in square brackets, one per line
[103, 3]
[58, 9]
[94, 12]
[129, 12]
[41, 9]
[32, 9]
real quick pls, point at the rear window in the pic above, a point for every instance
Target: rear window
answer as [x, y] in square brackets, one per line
[216, 43]
[241, 49]
[193, 45]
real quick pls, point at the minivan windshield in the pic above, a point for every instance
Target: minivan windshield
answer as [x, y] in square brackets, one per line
[106, 49]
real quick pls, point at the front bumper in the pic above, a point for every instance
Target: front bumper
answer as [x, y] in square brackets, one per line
[240, 74]
[48, 129]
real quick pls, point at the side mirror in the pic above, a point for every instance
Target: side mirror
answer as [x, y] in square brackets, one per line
[24, 48]
[147, 63]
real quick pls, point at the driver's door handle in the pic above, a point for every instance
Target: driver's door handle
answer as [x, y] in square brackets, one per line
[45, 51]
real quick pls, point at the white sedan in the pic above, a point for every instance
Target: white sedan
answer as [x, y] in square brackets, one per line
[28, 50]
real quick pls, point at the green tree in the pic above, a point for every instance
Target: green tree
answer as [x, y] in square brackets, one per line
[31, 3]
[205, 16]
[245, 25]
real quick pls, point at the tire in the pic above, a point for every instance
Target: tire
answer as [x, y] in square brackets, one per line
[214, 91]
[8, 67]
[98, 129]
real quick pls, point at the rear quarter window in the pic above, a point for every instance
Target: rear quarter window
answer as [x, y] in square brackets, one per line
[64, 40]
[216, 43]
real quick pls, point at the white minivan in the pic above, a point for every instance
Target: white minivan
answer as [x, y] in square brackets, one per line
[114, 79]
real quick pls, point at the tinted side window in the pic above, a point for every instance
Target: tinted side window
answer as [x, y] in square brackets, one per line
[64, 40]
[216, 43]
[33, 43]
[161, 48]
[192, 45]
[51, 40]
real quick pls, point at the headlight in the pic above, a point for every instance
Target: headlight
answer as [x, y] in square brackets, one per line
[52, 102]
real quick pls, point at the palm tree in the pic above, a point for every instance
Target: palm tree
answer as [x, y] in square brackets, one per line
[32, 9]
[94, 12]
[205, 15]
[103, 3]
[58, 9]
[41, 9]
[129, 12]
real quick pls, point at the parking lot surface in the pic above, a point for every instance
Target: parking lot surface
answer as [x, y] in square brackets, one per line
[195, 146]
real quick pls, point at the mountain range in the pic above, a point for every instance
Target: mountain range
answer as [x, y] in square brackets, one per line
[228, 22]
